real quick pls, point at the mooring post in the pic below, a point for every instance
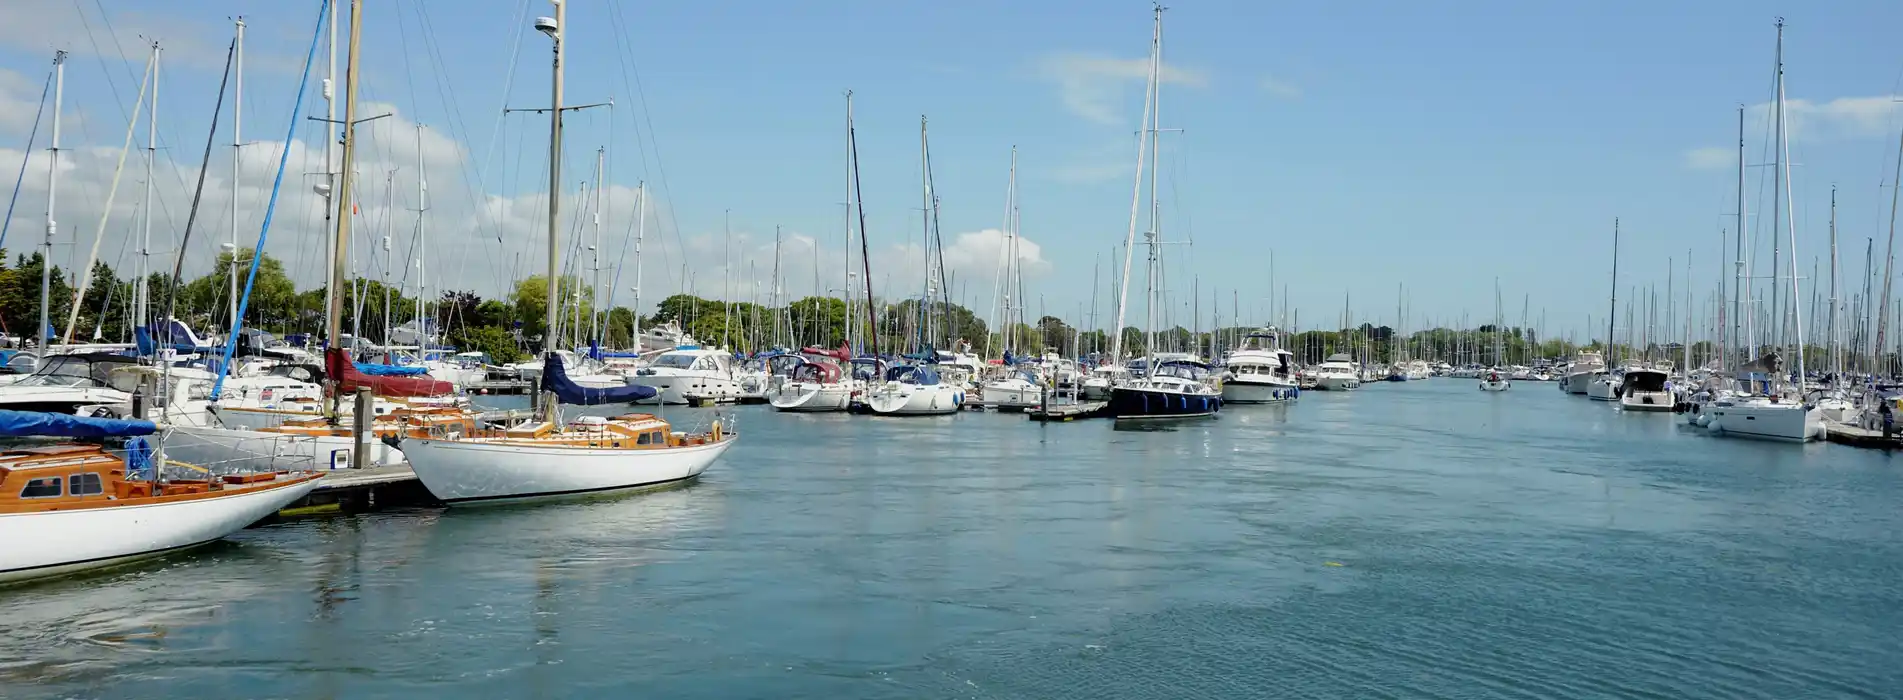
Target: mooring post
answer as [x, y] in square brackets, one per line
[360, 428]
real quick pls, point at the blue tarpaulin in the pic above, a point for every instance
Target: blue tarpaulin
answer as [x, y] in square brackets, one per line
[376, 370]
[555, 380]
[36, 424]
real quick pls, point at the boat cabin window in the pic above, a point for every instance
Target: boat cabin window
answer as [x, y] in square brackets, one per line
[85, 485]
[644, 439]
[675, 361]
[43, 487]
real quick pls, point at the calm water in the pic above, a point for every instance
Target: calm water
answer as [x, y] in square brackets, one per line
[1410, 541]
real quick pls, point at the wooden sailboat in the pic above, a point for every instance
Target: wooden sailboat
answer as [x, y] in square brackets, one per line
[545, 458]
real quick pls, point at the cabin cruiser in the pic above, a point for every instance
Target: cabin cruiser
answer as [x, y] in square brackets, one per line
[914, 390]
[1063, 373]
[665, 336]
[1260, 371]
[1605, 385]
[1337, 373]
[1174, 389]
[754, 375]
[1647, 389]
[65, 383]
[1585, 369]
[1018, 389]
[1096, 385]
[684, 374]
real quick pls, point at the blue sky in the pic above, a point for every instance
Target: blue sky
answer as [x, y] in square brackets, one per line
[1391, 144]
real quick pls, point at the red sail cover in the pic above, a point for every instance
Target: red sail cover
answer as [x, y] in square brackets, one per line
[340, 368]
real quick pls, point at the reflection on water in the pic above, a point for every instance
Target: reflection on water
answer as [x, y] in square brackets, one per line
[1414, 540]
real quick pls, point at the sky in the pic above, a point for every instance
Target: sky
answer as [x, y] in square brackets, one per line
[1375, 154]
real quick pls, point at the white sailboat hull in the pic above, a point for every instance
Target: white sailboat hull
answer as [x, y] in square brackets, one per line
[51, 543]
[1767, 421]
[914, 400]
[463, 472]
[1501, 385]
[799, 396]
[1095, 389]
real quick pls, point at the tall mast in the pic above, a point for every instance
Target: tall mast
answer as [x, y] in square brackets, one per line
[145, 236]
[1889, 254]
[1155, 233]
[1612, 317]
[1740, 333]
[557, 33]
[845, 292]
[1836, 347]
[52, 199]
[640, 231]
[341, 193]
[1136, 188]
[237, 142]
[389, 227]
[601, 165]
[925, 218]
[331, 305]
[423, 331]
[1790, 218]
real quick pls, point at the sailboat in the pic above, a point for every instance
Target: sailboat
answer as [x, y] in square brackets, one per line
[1772, 407]
[1173, 389]
[77, 505]
[1014, 385]
[545, 458]
[72, 507]
[1603, 385]
[1493, 381]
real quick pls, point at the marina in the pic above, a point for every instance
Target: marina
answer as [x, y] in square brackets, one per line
[1606, 554]
[349, 395]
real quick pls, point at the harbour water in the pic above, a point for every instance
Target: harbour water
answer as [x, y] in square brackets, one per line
[1408, 540]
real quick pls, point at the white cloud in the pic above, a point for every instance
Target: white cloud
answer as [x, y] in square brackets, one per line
[1092, 85]
[1710, 158]
[1281, 88]
[1840, 118]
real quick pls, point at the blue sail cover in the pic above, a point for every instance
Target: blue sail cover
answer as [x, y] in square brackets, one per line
[555, 380]
[377, 370]
[37, 424]
[913, 374]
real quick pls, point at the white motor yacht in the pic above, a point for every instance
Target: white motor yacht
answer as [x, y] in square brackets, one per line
[1586, 367]
[1646, 389]
[685, 374]
[1019, 390]
[1337, 373]
[1260, 371]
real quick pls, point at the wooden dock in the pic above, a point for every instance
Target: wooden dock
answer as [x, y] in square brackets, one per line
[359, 490]
[1066, 412]
[1861, 437]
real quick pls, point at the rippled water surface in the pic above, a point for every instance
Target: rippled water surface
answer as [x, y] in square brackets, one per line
[1409, 541]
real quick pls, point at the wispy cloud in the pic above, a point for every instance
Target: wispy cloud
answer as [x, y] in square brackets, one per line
[1092, 85]
[1281, 88]
[1840, 118]
[1710, 158]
